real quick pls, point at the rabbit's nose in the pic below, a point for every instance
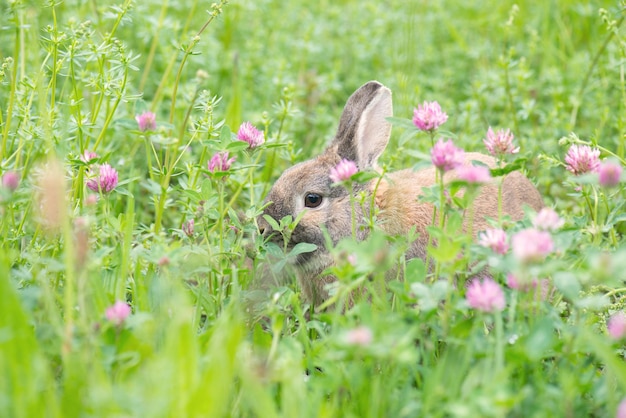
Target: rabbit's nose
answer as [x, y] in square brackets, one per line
[264, 228]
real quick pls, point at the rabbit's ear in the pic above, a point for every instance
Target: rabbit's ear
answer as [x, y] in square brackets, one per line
[363, 131]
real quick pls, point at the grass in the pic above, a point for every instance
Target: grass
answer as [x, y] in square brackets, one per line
[211, 332]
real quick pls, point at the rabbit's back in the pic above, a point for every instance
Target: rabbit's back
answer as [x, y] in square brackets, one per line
[397, 198]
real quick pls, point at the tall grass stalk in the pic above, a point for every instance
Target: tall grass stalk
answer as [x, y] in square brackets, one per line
[216, 9]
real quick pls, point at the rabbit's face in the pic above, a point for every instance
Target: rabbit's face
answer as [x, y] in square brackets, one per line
[305, 191]
[307, 188]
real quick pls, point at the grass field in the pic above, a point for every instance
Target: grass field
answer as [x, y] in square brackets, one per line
[133, 279]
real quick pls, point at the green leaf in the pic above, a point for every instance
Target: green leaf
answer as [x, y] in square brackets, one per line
[425, 159]
[540, 340]
[401, 122]
[447, 250]
[589, 178]
[26, 383]
[593, 302]
[407, 136]
[217, 174]
[123, 191]
[225, 135]
[568, 285]
[302, 247]
[287, 220]
[236, 146]
[272, 222]
[598, 345]
[279, 265]
[510, 167]
[270, 145]
[415, 270]
[163, 140]
[454, 224]
[478, 163]
[429, 296]
[424, 297]
[206, 188]
[152, 187]
[446, 134]
[364, 176]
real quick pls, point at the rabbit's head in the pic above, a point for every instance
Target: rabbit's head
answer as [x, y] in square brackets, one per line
[362, 136]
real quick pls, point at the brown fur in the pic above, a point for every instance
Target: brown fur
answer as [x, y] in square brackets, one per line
[362, 136]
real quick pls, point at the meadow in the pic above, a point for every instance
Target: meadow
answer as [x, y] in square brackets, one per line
[134, 281]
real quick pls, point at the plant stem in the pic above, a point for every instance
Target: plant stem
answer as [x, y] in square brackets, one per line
[500, 185]
[220, 219]
[170, 167]
[187, 52]
[12, 83]
[120, 16]
[111, 112]
[153, 46]
[499, 355]
[352, 211]
[615, 291]
[374, 194]
[592, 66]
[69, 291]
[442, 217]
[434, 218]
[509, 95]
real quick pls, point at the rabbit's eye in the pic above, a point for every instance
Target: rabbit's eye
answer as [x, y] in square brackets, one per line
[312, 200]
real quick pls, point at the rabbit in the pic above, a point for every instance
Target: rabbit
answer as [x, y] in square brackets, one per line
[362, 136]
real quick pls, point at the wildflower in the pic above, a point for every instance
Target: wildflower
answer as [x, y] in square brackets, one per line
[105, 181]
[582, 159]
[10, 180]
[91, 200]
[87, 156]
[616, 326]
[164, 261]
[500, 142]
[445, 156]
[428, 116]
[473, 174]
[525, 285]
[146, 121]
[609, 174]
[188, 227]
[515, 283]
[343, 171]
[530, 245]
[118, 312]
[621, 409]
[220, 162]
[360, 335]
[547, 220]
[250, 134]
[495, 239]
[485, 296]
[200, 209]
[545, 288]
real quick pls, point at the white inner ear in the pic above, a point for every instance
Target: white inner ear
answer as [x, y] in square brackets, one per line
[373, 131]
